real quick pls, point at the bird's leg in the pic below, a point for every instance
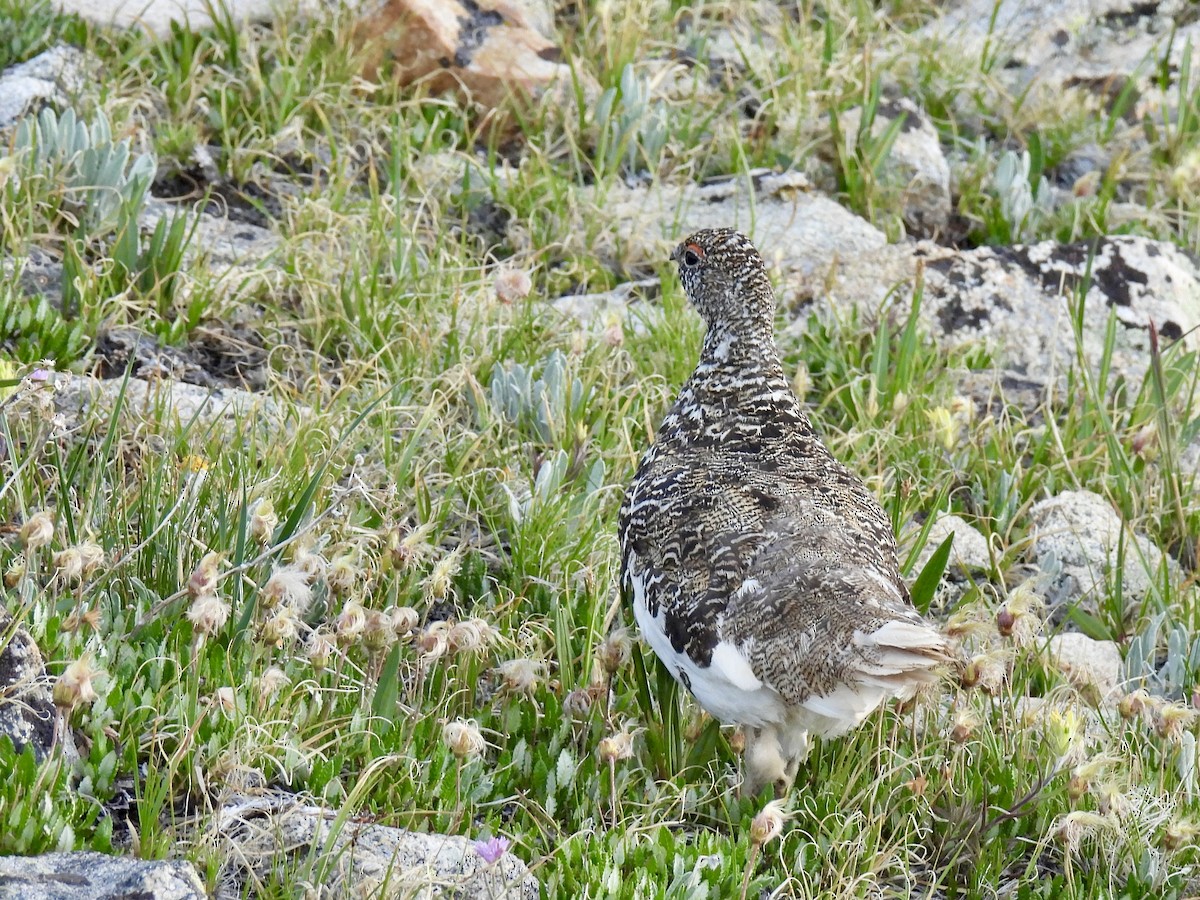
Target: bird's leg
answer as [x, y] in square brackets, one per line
[794, 745]
[763, 762]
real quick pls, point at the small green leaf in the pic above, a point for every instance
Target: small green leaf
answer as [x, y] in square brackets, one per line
[926, 584]
[1089, 624]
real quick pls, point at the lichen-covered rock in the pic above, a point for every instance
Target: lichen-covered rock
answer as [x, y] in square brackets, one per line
[1075, 537]
[52, 77]
[92, 876]
[1062, 44]
[1089, 664]
[801, 234]
[221, 241]
[915, 164]
[1019, 301]
[276, 832]
[27, 712]
[968, 553]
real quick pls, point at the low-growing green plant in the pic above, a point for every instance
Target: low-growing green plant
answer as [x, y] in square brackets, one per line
[90, 183]
[860, 156]
[32, 328]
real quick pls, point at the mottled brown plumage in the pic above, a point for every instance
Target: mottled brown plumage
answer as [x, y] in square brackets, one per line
[762, 571]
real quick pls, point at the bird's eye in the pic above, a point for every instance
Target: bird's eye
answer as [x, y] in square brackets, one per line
[692, 256]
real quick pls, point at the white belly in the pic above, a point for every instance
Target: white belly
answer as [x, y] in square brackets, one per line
[727, 688]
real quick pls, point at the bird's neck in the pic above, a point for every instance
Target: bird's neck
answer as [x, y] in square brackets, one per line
[739, 377]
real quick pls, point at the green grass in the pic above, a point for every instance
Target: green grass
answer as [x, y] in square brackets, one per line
[417, 475]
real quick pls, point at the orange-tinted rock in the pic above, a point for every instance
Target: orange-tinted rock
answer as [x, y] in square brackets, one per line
[487, 50]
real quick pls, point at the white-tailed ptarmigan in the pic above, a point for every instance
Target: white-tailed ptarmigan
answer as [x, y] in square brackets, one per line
[762, 571]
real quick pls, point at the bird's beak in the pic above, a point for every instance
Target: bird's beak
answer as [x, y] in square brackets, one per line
[675, 254]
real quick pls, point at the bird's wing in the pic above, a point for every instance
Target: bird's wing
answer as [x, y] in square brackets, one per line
[795, 576]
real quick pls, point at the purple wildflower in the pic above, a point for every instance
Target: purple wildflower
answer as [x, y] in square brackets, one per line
[492, 849]
[39, 375]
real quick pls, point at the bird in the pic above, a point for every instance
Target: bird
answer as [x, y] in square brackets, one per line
[762, 572]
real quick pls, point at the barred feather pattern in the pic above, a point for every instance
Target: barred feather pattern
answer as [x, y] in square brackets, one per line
[761, 570]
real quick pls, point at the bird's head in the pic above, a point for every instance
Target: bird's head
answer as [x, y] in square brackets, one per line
[725, 279]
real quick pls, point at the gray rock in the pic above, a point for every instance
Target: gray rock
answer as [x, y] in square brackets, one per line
[95, 876]
[157, 15]
[1018, 301]
[1074, 540]
[27, 712]
[277, 832]
[968, 553]
[175, 402]
[221, 242]
[915, 166]
[37, 273]
[1089, 663]
[800, 233]
[1062, 44]
[597, 312]
[53, 76]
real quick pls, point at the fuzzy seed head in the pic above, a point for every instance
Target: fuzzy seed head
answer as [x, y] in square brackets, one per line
[616, 651]
[15, 572]
[38, 531]
[1180, 833]
[208, 614]
[74, 687]
[350, 623]
[343, 573]
[378, 633]
[1076, 827]
[271, 682]
[1134, 704]
[737, 741]
[578, 703]
[1145, 442]
[512, 284]
[287, 586]
[471, 636]
[225, 700]
[768, 824]
[77, 620]
[1088, 771]
[405, 620]
[281, 629]
[966, 623]
[963, 726]
[521, 675]
[408, 547]
[68, 565]
[91, 556]
[464, 738]
[319, 650]
[613, 334]
[616, 747]
[434, 641]
[988, 671]
[312, 564]
[441, 579]
[204, 578]
[1171, 720]
[263, 520]
[1020, 617]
